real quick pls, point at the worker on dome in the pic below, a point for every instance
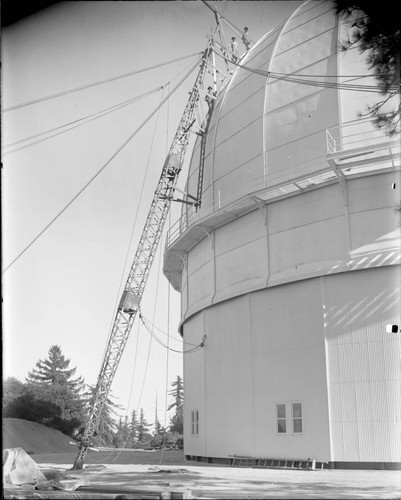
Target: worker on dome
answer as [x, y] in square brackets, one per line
[234, 49]
[245, 39]
[210, 97]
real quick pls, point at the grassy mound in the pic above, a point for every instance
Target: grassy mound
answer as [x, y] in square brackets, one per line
[34, 438]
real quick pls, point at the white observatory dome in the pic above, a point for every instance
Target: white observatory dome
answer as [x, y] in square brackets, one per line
[271, 129]
[291, 265]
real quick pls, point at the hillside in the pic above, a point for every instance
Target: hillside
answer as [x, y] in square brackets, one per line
[34, 438]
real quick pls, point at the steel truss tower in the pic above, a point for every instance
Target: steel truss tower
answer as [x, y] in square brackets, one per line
[144, 256]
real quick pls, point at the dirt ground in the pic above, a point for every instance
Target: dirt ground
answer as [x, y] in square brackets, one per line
[33, 437]
[157, 475]
[152, 472]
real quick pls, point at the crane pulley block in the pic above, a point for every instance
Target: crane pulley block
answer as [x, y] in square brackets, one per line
[173, 161]
[129, 302]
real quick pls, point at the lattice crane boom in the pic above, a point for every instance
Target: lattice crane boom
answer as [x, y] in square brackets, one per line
[142, 262]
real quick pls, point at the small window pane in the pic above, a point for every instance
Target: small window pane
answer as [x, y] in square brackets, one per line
[280, 411]
[195, 422]
[297, 410]
[281, 426]
[297, 425]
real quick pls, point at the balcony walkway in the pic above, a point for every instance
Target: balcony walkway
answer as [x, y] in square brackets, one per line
[348, 155]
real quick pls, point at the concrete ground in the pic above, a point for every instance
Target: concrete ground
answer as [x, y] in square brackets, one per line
[141, 475]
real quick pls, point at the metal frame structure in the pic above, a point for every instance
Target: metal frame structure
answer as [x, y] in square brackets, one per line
[144, 256]
[204, 135]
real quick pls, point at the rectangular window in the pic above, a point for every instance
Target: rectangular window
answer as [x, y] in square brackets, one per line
[281, 419]
[296, 418]
[195, 422]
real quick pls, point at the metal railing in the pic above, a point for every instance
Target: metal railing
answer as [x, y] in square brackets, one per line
[287, 176]
[349, 136]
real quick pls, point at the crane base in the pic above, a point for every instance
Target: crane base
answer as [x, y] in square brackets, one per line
[78, 464]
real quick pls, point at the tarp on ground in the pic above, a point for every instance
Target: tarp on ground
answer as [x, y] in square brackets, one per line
[21, 471]
[19, 468]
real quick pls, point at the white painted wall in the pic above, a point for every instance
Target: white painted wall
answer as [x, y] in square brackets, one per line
[321, 342]
[272, 345]
[299, 237]
[364, 369]
[295, 295]
[194, 387]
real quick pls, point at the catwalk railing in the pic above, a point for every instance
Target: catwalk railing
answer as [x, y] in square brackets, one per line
[347, 151]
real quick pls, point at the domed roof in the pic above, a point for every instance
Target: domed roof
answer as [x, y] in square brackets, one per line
[269, 123]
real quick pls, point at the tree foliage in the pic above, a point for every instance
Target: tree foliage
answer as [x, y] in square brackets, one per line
[376, 29]
[133, 427]
[105, 434]
[52, 396]
[35, 404]
[121, 438]
[55, 371]
[51, 384]
[159, 430]
[12, 389]
[177, 392]
[143, 428]
[29, 407]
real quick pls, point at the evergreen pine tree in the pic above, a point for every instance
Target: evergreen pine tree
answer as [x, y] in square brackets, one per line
[106, 432]
[159, 432]
[52, 382]
[158, 428]
[55, 371]
[177, 420]
[143, 428]
[378, 34]
[133, 428]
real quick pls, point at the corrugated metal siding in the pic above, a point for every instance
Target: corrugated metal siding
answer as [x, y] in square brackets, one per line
[364, 366]
[351, 442]
[395, 429]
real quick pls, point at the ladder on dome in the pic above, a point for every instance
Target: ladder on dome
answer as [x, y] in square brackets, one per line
[205, 129]
[202, 157]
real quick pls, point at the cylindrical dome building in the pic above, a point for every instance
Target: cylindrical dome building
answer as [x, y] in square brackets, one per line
[291, 265]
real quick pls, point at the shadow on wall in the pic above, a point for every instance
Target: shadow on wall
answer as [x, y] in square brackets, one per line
[352, 316]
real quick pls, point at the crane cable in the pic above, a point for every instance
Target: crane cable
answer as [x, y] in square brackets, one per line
[143, 380]
[154, 308]
[230, 24]
[121, 284]
[77, 123]
[168, 324]
[118, 453]
[316, 83]
[101, 113]
[167, 359]
[188, 351]
[101, 169]
[89, 85]
[154, 327]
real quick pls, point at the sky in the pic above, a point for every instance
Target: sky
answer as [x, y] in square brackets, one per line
[64, 288]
